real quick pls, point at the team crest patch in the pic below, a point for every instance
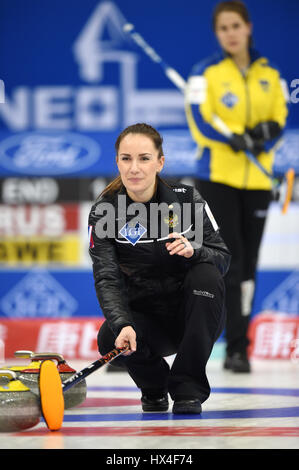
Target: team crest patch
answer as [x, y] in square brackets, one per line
[265, 85]
[172, 220]
[229, 100]
[132, 233]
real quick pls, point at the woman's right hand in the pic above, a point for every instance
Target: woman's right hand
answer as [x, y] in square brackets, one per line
[127, 336]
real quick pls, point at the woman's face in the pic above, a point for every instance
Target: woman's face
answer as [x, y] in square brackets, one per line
[232, 32]
[138, 164]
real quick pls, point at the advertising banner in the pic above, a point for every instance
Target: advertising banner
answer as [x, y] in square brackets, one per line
[274, 336]
[73, 338]
[39, 293]
[66, 100]
[39, 234]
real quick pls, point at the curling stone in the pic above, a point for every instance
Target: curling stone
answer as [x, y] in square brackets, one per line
[19, 407]
[29, 375]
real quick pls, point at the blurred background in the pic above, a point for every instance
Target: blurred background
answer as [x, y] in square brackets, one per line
[73, 80]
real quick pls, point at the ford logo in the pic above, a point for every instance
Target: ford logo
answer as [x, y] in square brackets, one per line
[50, 153]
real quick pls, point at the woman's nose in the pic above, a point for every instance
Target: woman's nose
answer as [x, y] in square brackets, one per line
[134, 168]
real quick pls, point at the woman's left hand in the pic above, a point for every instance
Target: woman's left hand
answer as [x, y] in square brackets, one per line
[181, 246]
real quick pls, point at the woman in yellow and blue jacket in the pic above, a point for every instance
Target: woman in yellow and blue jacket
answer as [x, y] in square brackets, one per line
[244, 90]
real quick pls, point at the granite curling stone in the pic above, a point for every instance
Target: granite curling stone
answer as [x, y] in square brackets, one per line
[29, 375]
[19, 406]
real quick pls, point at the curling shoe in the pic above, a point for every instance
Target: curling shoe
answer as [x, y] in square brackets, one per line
[186, 406]
[154, 404]
[237, 362]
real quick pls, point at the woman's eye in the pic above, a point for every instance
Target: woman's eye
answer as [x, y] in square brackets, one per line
[128, 158]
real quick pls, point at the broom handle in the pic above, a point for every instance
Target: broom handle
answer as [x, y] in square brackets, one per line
[82, 374]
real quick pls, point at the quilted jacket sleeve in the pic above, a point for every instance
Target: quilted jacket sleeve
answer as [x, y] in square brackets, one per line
[213, 249]
[109, 280]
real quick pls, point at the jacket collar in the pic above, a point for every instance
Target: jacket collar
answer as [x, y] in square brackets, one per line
[254, 54]
[164, 192]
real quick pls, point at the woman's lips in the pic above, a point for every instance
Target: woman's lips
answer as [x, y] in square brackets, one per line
[134, 180]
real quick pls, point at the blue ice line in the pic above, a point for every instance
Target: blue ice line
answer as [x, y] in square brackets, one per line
[290, 412]
[290, 392]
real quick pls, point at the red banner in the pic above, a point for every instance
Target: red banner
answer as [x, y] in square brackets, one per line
[73, 338]
[274, 336]
[35, 220]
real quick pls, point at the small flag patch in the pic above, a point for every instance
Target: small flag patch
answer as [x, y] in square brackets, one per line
[91, 243]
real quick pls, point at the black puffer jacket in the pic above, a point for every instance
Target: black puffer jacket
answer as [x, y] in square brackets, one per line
[133, 275]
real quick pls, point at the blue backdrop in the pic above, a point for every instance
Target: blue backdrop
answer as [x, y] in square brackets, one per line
[73, 79]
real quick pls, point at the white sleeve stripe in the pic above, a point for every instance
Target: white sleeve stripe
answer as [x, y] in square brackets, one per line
[196, 89]
[211, 217]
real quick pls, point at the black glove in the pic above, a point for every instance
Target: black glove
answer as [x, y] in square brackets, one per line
[258, 147]
[265, 130]
[243, 142]
[240, 142]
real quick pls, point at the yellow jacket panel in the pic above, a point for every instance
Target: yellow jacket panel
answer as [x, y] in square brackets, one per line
[217, 87]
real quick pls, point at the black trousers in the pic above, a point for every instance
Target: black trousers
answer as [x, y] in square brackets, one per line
[241, 216]
[190, 334]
